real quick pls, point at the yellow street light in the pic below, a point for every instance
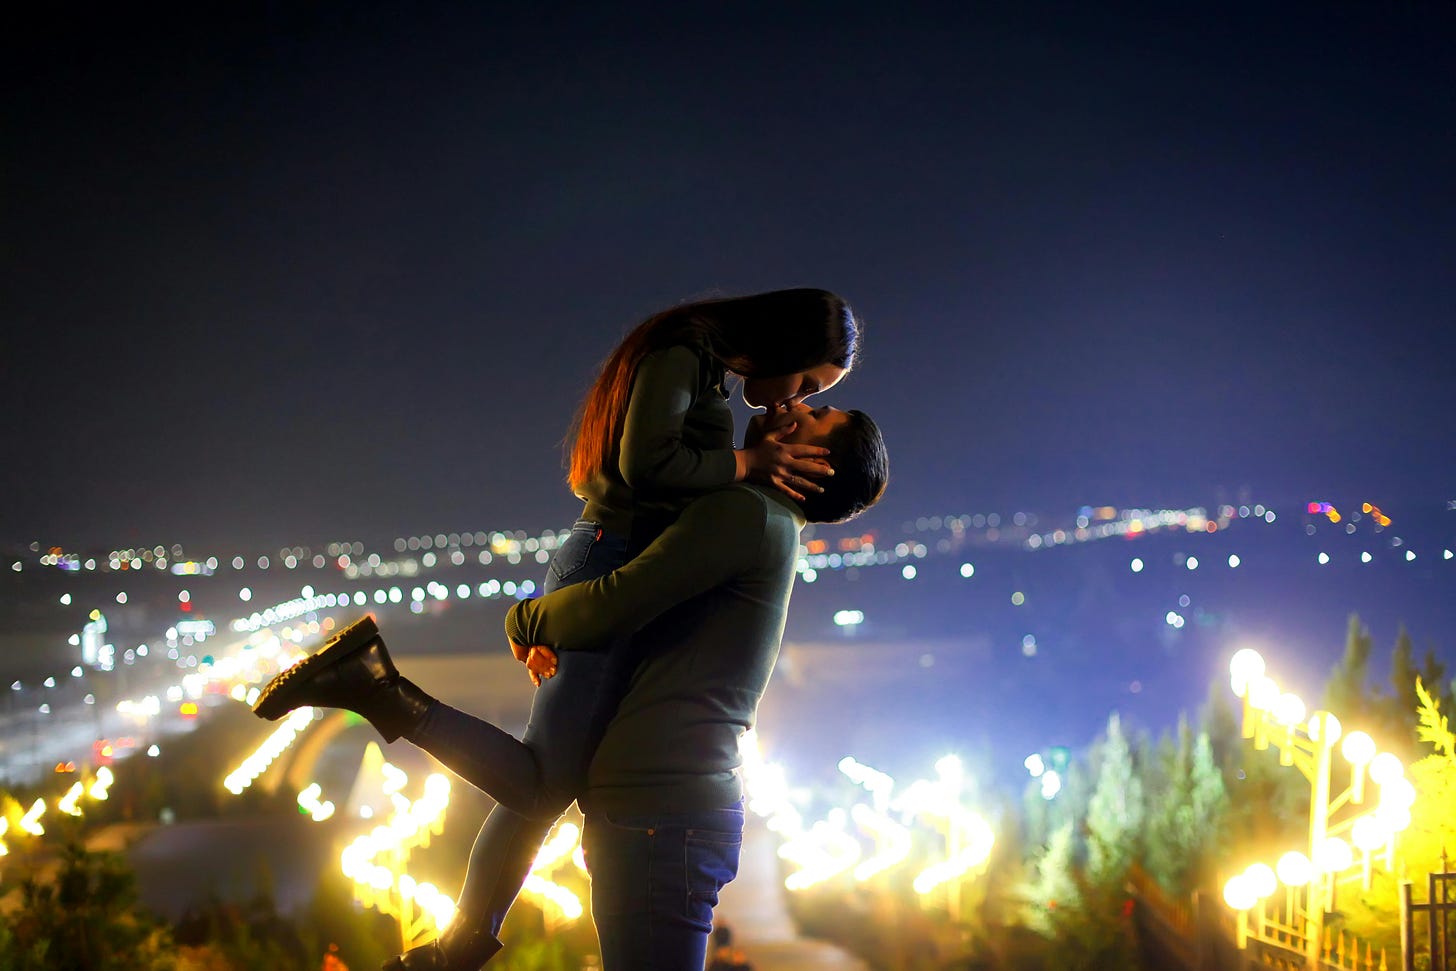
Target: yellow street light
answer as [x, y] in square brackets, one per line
[1324, 728]
[1263, 693]
[1289, 709]
[1260, 877]
[1400, 794]
[1273, 717]
[1359, 748]
[1368, 833]
[1239, 892]
[1246, 665]
[1333, 855]
[1385, 769]
[1294, 869]
[1394, 818]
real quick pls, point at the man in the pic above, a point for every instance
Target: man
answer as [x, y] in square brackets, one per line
[664, 817]
[704, 607]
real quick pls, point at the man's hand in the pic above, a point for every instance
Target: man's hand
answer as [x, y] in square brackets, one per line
[541, 662]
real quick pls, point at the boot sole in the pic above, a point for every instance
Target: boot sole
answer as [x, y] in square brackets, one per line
[274, 702]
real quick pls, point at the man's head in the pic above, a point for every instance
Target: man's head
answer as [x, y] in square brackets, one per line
[856, 453]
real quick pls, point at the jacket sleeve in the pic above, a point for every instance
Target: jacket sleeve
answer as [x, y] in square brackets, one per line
[717, 537]
[652, 454]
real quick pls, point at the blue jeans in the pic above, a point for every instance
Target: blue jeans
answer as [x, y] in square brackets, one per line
[654, 883]
[536, 778]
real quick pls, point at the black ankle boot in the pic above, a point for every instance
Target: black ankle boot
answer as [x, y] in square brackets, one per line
[352, 671]
[458, 951]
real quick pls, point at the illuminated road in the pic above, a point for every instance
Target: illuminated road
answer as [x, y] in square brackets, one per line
[32, 742]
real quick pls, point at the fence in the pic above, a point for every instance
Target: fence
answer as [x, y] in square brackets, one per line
[1439, 908]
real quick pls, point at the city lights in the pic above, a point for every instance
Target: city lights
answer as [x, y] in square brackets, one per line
[67, 803]
[275, 745]
[892, 841]
[310, 801]
[376, 860]
[30, 822]
[558, 903]
[922, 832]
[101, 786]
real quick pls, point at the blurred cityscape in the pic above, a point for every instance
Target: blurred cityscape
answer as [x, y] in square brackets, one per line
[995, 659]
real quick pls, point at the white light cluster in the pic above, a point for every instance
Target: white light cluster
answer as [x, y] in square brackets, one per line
[563, 845]
[275, 745]
[410, 825]
[310, 801]
[831, 846]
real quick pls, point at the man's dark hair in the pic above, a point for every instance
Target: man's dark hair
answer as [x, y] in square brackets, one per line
[861, 471]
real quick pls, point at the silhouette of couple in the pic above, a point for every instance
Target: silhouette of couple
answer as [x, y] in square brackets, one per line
[657, 631]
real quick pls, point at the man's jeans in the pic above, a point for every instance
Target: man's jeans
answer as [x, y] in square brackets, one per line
[654, 883]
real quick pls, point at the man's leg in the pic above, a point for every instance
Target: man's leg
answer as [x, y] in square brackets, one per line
[655, 882]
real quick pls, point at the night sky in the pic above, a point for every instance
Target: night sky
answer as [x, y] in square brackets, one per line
[342, 271]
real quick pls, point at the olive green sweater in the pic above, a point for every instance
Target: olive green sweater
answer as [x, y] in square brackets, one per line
[676, 442]
[706, 603]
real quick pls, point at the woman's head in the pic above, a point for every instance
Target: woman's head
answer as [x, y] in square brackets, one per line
[786, 344]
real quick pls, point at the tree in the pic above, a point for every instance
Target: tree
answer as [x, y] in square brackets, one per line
[87, 919]
[1035, 815]
[1210, 807]
[1347, 693]
[1115, 813]
[1402, 703]
[1053, 896]
[1186, 820]
[1173, 829]
[1433, 676]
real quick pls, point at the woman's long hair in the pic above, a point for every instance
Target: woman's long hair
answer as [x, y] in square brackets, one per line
[758, 336]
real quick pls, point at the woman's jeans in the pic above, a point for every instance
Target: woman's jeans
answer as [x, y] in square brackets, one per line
[654, 883]
[536, 778]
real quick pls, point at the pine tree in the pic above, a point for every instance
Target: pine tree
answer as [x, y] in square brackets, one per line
[1172, 828]
[1210, 807]
[1220, 724]
[1035, 814]
[1401, 706]
[1347, 693]
[1053, 897]
[1115, 813]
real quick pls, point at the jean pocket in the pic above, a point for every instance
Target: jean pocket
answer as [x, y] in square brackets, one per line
[573, 554]
[710, 858]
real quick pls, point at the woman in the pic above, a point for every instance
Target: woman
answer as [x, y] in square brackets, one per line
[654, 432]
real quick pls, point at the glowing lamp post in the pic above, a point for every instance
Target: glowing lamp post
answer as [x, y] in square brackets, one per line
[1246, 891]
[1308, 744]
